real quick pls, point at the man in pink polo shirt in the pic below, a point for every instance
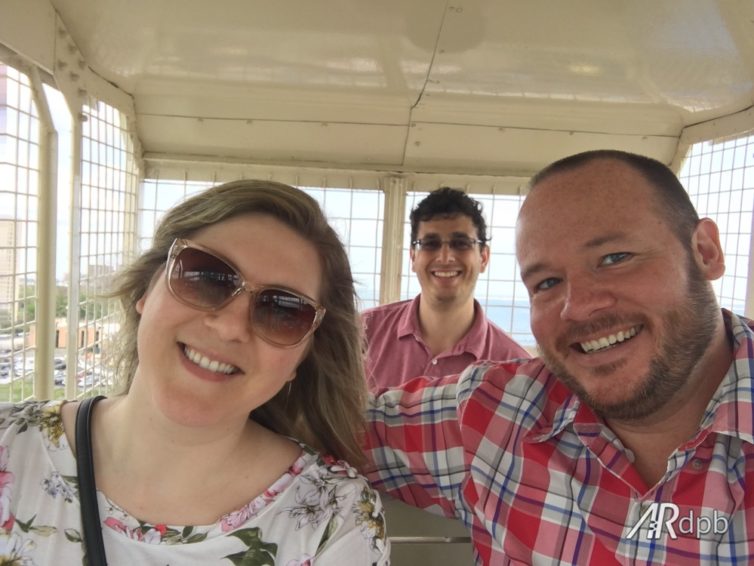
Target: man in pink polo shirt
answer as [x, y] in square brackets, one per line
[444, 328]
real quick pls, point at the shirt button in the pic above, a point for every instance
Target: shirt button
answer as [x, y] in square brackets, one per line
[697, 464]
[434, 362]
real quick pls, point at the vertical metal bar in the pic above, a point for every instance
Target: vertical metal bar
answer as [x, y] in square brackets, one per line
[749, 307]
[74, 268]
[46, 240]
[392, 239]
[681, 153]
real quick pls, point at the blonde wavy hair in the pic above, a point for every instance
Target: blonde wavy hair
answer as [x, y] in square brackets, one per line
[325, 404]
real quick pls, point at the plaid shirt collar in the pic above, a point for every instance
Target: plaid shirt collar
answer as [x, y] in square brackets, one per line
[729, 412]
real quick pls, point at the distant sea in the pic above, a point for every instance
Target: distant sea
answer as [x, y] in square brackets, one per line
[513, 317]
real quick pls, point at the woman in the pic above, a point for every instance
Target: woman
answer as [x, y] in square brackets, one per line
[244, 398]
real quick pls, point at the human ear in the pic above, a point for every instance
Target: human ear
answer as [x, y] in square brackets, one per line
[706, 249]
[140, 304]
[485, 252]
[143, 299]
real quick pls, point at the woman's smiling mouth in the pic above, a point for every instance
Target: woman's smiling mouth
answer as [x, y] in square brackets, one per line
[205, 363]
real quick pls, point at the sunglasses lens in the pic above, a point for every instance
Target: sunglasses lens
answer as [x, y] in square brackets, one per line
[282, 317]
[201, 279]
[205, 281]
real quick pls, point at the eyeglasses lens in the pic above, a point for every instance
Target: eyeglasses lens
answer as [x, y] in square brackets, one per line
[434, 244]
[461, 244]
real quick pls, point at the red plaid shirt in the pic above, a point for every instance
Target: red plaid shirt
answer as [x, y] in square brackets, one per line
[538, 478]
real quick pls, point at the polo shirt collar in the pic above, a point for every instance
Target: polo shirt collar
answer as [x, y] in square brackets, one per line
[408, 324]
[473, 342]
[476, 337]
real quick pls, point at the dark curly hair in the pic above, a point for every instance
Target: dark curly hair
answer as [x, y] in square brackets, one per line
[448, 203]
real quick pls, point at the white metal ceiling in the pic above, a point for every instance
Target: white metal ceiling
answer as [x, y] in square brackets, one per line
[493, 86]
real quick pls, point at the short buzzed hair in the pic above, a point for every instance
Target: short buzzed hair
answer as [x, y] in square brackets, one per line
[673, 202]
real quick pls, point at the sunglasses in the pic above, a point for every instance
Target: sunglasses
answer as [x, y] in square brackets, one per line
[199, 278]
[456, 243]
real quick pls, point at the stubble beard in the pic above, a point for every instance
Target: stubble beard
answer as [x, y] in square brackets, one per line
[687, 330]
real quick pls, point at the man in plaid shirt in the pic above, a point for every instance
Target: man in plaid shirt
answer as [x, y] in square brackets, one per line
[630, 439]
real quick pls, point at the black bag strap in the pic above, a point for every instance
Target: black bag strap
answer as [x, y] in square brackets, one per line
[90, 521]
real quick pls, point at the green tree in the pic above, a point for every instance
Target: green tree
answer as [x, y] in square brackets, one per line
[61, 302]
[27, 306]
[27, 311]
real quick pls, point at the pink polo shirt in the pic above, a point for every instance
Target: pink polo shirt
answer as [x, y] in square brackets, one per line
[396, 351]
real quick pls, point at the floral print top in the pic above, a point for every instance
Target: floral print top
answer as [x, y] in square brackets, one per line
[319, 512]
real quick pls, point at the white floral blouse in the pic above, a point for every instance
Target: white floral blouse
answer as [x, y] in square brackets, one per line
[319, 512]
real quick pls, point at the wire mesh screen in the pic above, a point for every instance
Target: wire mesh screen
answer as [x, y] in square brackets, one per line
[109, 185]
[19, 190]
[357, 217]
[157, 196]
[719, 176]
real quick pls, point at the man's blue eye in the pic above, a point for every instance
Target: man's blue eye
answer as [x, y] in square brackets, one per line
[611, 259]
[546, 284]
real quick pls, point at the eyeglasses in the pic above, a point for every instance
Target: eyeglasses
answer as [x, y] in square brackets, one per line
[456, 243]
[197, 277]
